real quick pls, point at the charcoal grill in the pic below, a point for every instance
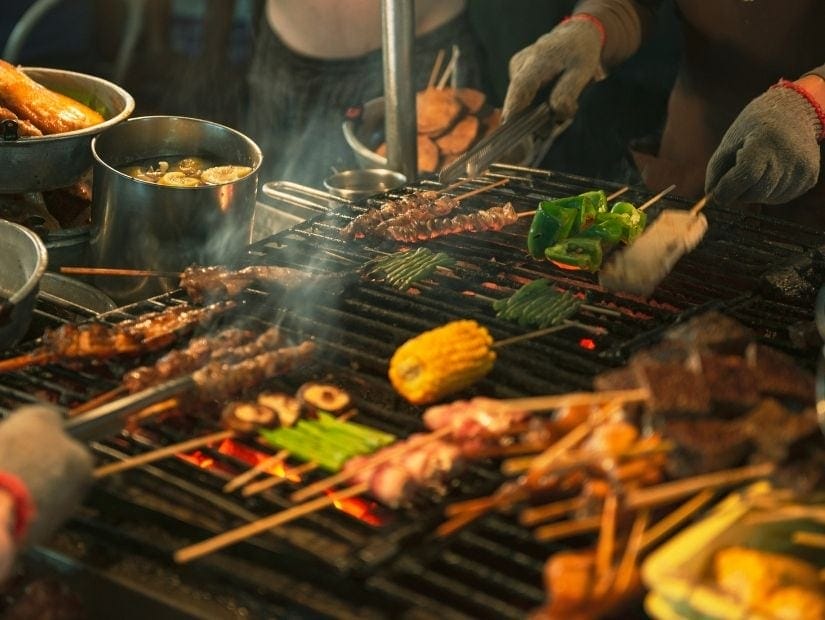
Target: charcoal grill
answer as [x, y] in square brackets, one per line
[332, 564]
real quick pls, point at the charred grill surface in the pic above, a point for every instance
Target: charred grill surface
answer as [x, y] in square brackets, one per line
[333, 564]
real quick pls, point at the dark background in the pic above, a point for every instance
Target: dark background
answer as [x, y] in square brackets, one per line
[193, 56]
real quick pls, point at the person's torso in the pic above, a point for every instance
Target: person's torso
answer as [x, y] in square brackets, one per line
[335, 29]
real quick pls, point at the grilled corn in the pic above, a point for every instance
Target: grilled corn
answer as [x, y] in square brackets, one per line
[441, 361]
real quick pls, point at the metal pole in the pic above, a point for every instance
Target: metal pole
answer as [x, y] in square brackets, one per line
[398, 35]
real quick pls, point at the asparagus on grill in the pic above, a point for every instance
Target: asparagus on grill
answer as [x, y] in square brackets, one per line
[494, 218]
[231, 344]
[148, 332]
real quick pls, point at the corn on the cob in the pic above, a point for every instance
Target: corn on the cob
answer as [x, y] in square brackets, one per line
[441, 361]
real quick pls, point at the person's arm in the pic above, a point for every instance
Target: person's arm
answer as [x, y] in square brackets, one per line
[770, 154]
[44, 475]
[599, 34]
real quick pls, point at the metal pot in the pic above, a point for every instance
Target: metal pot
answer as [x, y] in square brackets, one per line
[358, 184]
[23, 260]
[142, 225]
[55, 161]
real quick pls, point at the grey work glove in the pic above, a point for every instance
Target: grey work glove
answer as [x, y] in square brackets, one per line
[770, 154]
[54, 468]
[570, 52]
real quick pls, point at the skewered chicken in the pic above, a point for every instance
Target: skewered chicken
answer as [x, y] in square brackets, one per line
[202, 283]
[47, 110]
[494, 218]
[422, 203]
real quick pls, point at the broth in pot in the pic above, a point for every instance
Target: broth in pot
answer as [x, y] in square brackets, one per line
[184, 171]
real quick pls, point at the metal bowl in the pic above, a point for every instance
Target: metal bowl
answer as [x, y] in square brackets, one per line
[358, 184]
[55, 161]
[23, 260]
[143, 225]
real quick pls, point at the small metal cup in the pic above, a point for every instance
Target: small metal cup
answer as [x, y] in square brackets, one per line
[143, 225]
[357, 184]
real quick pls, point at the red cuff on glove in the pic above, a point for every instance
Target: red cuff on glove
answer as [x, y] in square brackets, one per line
[24, 508]
[820, 113]
[589, 18]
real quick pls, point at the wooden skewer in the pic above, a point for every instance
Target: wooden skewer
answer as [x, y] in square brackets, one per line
[606, 545]
[457, 522]
[624, 574]
[161, 453]
[539, 514]
[290, 475]
[672, 520]
[612, 196]
[27, 359]
[111, 271]
[451, 66]
[249, 474]
[187, 554]
[656, 198]
[575, 399]
[321, 485]
[481, 190]
[98, 400]
[809, 539]
[566, 529]
[672, 491]
[436, 68]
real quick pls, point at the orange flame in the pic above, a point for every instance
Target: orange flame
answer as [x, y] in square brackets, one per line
[587, 343]
[361, 509]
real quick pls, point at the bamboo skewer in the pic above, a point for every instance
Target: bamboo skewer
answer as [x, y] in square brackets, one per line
[436, 68]
[809, 539]
[566, 529]
[451, 67]
[161, 453]
[111, 271]
[672, 491]
[624, 574]
[98, 400]
[606, 545]
[321, 485]
[656, 198]
[273, 481]
[249, 474]
[672, 520]
[187, 554]
[479, 190]
[575, 399]
[539, 514]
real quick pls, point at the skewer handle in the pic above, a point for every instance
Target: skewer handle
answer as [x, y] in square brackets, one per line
[656, 198]
[187, 554]
[111, 271]
[160, 453]
[576, 399]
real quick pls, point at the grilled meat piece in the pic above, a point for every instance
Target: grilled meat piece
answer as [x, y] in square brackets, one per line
[713, 331]
[777, 374]
[423, 210]
[705, 445]
[733, 387]
[675, 389]
[365, 223]
[230, 344]
[202, 283]
[470, 419]
[220, 380]
[775, 429]
[25, 129]
[494, 218]
[148, 332]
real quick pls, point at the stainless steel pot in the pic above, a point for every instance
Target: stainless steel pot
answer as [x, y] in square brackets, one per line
[23, 260]
[51, 162]
[139, 224]
[358, 184]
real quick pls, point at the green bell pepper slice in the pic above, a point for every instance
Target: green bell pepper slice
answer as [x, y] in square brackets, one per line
[592, 203]
[635, 220]
[552, 222]
[576, 253]
[608, 227]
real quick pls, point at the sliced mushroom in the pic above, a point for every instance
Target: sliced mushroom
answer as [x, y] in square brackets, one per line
[286, 407]
[317, 397]
[246, 418]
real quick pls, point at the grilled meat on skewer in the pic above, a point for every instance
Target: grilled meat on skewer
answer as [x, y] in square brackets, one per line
[396, 481]
[232, 344]
[148, 332]
[220, 380]
[471, 419]
[427, 203]
[202, 283]
[494, 218]
[424, 210]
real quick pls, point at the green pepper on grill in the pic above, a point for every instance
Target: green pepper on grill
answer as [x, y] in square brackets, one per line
[592, 203]
[635, 220]
[552, 222]
[608, 227]
[576, 253]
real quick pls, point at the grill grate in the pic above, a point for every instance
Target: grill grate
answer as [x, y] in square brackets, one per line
[333, 564]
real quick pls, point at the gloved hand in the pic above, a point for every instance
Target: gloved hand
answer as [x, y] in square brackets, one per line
[770, 154]
[570, 52]
[54, 468]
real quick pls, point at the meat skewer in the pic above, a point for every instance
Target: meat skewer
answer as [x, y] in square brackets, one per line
[202, 283]
[639, 268]
[425, 204]
[494, 218]
[148, 332]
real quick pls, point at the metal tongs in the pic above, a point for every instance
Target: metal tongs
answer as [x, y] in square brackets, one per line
[538, 121]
